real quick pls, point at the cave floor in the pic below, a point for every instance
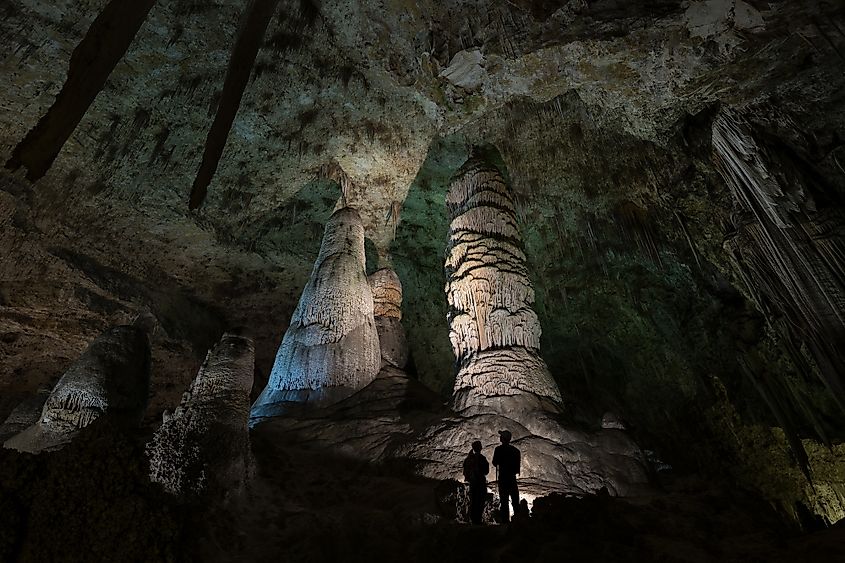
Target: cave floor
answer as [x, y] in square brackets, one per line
[308, 504]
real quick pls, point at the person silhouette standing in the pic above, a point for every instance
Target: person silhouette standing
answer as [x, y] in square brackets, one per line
[507, 459]
[476, 469]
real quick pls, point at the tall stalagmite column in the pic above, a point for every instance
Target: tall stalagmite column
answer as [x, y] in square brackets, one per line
[111, 377]
[331, 348]
[204, 444]
[494, 331]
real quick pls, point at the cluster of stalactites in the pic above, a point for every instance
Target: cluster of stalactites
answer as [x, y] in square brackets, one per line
[789, 253]
[331, 347]
[494, 331]
[205, 442]
[110, 378]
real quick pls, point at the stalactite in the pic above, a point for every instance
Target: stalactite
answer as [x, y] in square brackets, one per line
[789, 253]
[110, 378]
[494, 331]
[91, 64]
[250, 35]
[637, 226]
[204, 443]
[387, 300]
[331, 348]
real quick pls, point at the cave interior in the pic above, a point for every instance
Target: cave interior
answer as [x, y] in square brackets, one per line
[269, 267]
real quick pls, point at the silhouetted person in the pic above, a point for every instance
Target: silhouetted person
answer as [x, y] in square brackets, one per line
[476, 469]
[507, 460]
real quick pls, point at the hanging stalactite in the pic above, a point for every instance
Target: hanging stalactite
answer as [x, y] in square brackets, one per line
[788, 252]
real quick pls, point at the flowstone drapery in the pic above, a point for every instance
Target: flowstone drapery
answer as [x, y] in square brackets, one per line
[204, 443]
[111, 378]
[331, 348]
[387, 300]
[494, 331]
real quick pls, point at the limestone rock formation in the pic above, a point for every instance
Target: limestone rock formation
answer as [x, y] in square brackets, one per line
[23, 416]
[787, 247]
[204, 444]
[494, 331]
[331, 348]
[387, 300]
[111, 378]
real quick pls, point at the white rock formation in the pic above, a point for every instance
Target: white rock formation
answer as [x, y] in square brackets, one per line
[204, 444]
[331, 348]
[111, 378]
[494, 331]
[387, 300]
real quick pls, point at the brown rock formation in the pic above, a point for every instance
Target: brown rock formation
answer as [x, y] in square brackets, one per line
[204, 444]
[111, 378]
[787, 248]
[387, 300]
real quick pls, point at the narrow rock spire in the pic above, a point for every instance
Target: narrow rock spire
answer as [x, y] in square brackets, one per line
[387, 299]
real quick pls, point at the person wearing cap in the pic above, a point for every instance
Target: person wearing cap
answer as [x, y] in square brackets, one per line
[507, 459]
[476, 469]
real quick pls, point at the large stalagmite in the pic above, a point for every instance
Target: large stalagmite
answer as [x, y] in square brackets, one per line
[204, 444]
[331, 348]
[494, 331]
[111, 378]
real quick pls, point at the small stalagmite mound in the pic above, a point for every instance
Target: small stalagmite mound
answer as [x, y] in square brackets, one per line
[331, 348]
[111, 378]
[204, 444]
[387, 301]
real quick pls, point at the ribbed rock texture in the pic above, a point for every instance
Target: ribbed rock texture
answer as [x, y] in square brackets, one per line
[788, 248]
[331, 348]
[204, 444]
[387, 301]
[494, 331]
[111, 378]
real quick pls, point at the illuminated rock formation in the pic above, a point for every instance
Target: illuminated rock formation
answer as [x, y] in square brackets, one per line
[331, 348]
[494, 331]
[111, 378]
[204, 443]
[387, 300]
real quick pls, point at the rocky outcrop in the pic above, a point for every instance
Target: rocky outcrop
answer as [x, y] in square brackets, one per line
[494, 331]
[204, 444]
[331, 348]
[111, 379]
[387, 301]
